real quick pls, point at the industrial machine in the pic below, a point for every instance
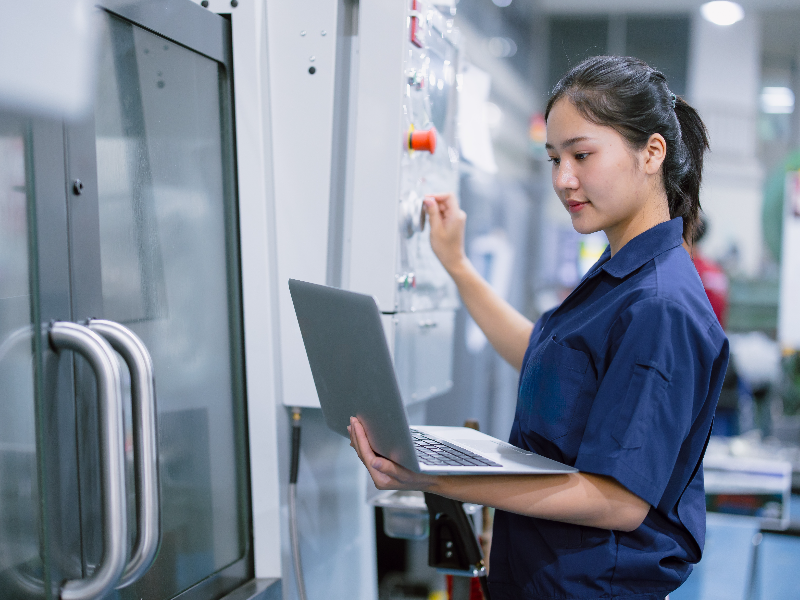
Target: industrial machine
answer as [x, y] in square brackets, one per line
[379, 136]
[365, 97]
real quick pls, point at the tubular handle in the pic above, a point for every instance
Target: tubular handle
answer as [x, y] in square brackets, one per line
[101, 358]
[145, 445]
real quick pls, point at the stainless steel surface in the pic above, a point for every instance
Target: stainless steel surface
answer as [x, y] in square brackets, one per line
[70, 336]
[423, 353]
[297, 562]
[472, 573]
[143, 399]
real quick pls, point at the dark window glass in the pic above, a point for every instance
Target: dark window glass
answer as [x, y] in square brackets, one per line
[572, 40]
[663, 43]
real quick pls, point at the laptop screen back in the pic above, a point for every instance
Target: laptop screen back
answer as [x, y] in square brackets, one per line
[352, 366]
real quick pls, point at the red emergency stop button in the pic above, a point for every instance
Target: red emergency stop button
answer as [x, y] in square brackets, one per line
[422, 140]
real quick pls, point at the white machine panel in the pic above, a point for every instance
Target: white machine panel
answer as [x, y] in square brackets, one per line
[301, 42]
[423, 353]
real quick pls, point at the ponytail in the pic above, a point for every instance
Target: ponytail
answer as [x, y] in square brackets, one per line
[633, 98]
[684, 200]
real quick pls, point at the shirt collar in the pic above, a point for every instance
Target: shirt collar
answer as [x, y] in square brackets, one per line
[641, 249]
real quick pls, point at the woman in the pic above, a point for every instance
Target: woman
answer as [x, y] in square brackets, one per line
[622, 378]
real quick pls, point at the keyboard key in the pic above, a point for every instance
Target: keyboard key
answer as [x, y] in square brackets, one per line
[431, 451]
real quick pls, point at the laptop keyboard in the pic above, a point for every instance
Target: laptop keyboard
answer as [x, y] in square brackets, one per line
[431, 451]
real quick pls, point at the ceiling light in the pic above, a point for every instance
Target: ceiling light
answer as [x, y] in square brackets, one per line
[777, 100]
[722, 12]
[502, 3]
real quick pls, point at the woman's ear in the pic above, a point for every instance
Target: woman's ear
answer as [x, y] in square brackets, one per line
[654, 153]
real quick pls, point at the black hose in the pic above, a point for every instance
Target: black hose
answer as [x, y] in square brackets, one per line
[485, 587]
[295, 465]
[293, 534]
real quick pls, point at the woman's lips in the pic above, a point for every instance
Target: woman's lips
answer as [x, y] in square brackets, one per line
[573, 206]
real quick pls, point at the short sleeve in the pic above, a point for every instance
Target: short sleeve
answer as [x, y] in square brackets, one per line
[658, 369]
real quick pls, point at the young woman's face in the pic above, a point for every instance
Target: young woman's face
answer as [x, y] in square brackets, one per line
[601, 181]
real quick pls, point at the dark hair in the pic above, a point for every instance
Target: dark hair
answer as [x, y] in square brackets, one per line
[701, 229]
[633, 98]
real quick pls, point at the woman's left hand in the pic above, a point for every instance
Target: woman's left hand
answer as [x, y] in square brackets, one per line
[386, 475]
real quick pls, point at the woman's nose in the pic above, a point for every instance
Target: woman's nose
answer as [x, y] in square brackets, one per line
[564, 178]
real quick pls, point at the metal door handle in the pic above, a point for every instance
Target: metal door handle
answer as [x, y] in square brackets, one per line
[70, 336]
[145, 448]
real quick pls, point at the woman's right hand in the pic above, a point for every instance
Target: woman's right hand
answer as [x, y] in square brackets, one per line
[447, 223]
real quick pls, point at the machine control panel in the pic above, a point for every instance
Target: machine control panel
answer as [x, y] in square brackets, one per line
[430, 161]
[405, 148]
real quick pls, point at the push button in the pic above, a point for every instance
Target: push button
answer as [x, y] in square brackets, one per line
[422, 140]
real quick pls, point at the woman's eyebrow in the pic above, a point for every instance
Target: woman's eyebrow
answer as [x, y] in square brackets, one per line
[569, 142]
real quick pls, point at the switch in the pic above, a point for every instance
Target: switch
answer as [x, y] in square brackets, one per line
[416, 79]
[422, 140]
[415, 29]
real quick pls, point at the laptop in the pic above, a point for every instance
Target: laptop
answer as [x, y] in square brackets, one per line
[354, 376]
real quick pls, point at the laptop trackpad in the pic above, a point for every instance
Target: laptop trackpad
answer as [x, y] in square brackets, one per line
[493, 447]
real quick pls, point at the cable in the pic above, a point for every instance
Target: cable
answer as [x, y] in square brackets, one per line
[295, 464]
[484, 579]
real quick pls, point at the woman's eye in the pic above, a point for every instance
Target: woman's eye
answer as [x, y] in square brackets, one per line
[581, 155]
[554, 160]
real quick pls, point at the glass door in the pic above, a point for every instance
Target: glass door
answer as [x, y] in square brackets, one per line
[39, 519]
[21, 566]
[169, 272]
[128, 217]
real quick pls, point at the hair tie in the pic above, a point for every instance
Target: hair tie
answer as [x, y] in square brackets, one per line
[673, 100]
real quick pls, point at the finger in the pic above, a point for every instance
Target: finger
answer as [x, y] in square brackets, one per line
[442, 197]
[385, 473]
[363, 446]
[447, 203]
[434, 213]
[382, 471]
[372, 460]
[360, 442]
[352, 438]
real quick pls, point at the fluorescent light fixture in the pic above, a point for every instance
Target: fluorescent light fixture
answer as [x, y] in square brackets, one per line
[722, 12]
[777, 100]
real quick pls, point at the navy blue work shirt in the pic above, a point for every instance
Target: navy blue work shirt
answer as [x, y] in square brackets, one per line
[622, 380]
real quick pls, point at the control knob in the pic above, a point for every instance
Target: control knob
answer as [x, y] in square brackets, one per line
[412, 215]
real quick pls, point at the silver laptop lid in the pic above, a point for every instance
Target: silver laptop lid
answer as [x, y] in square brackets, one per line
[352, 367]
